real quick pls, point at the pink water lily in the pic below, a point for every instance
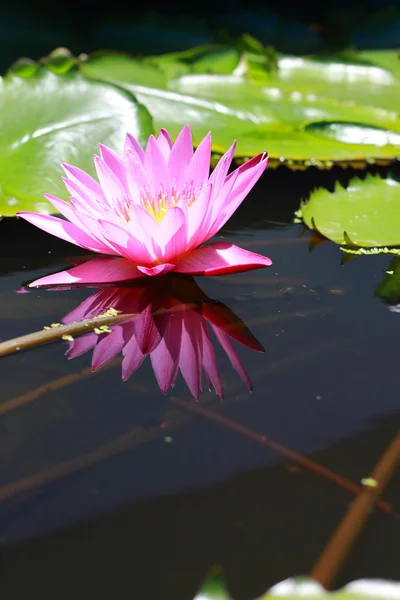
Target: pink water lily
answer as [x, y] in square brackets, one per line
[153, 209]
[173, 324]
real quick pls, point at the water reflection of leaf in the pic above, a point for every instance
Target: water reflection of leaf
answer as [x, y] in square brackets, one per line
[389, 289]
[172, 327]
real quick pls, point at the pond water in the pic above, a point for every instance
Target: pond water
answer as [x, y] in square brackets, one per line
[115, 490]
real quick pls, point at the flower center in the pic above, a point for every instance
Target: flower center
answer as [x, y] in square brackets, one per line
[159, 205]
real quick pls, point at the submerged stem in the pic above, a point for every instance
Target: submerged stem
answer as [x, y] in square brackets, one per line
[279, 448]
[339, 546]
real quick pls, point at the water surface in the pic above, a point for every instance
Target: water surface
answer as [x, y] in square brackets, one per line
[117, 490]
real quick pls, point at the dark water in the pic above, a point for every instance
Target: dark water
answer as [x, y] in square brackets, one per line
[112, 489]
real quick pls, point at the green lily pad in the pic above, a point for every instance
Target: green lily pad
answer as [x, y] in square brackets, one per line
[213, 588]
[363, 589]
[364, 215]
[387, 59]
[307, 589]
[48, 118]
[301, 112]
[366, 79]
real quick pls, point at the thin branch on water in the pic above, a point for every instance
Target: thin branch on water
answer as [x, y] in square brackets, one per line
[123, 443]
[339, 546]
[52, 386]
[279, 448]
[58, 331]
[130, 439]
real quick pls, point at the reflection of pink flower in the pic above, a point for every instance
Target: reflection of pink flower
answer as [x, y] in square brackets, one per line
[154, 209]
[171, 327]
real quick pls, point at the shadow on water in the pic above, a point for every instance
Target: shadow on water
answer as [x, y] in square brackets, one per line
[117, 490]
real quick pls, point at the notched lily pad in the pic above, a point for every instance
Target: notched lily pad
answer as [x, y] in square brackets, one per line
[364, 217]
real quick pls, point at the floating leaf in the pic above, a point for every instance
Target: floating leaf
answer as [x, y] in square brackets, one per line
[212, 58]
[308, 589]
[387, 59]
[389, 288]
[362, 589]
[48, 118]
[365, 215]
[121, 66]
[306, 112]
[213, 587]
[365, 79]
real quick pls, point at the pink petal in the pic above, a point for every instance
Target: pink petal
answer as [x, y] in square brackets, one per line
[109, 345]
[125, 243]
[190, 361]
[98, 270]
[165, 358]
[116, 164]
[157, 270]
[217, 205]
[94, 305]
[220, 258]
[199, 167]
[87, 201]
[133, 358]
[81, 345]
[251, 164]
[247, 177]
[180, 157]
[69, 212]
[146, 332]
[165, 144]
[145, 228]
[199, 218]
[91, 225]
[217, 177]
[224, 318]
[172, 234]
[233, 357]
[132, 145]
[136, 177]
[83, 180]
[210, 364]
[112, 187]
[157, 172]
[62, 229]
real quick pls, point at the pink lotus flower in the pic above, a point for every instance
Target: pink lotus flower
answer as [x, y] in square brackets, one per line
[153, 209]
[171, 327]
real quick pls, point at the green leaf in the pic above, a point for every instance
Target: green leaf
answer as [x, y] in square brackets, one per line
[389, 288]
[212, 58]
[307, 589]
[366, 79]
[306, 112]
[48, 118]
[121, 67]
[213, 588]
[365, 215]
[387, 59]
